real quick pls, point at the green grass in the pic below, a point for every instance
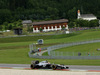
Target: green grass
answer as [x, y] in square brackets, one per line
[83, 36]
[35, 38]
[48, 39]
[81, 48]
[15, 50]
[20, 56]
[84, 49]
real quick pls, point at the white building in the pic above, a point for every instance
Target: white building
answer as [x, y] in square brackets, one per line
[86, 16]
[53, 25]
[27, 23]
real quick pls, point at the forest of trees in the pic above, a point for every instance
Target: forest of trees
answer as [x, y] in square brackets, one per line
[16, 10]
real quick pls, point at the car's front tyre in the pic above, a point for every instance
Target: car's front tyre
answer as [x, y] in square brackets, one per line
[54, 67]
[67, 67]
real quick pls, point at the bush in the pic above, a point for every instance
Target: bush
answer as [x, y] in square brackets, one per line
[1, 33]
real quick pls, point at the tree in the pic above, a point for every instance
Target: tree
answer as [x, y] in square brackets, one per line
[10, 27]
[82, 23]
[72, 14]
[41, 29]
[93, 23]
[5, 24]
[71, 24]
[13, 10]
[5, 15]
[63, 28]
[1, 27]
[53, 12]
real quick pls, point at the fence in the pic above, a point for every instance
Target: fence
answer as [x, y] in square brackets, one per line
[82, 28]
[33, 48]
[57, 53]
[66, 55]
[50, 49]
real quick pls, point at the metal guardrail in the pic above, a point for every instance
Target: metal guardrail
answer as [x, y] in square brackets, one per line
[59, 56]
[64, 57]
[31, 46]
[59, 53]
[67, 45]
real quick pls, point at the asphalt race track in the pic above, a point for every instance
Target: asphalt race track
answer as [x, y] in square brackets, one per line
[71, 67]
[24, 69]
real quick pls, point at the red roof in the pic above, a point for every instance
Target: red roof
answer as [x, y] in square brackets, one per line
[50, 22]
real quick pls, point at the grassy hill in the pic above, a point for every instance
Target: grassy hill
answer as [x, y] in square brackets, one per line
[15, 50]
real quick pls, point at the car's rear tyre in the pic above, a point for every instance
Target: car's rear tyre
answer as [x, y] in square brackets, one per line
[32, 66]
[35, 62]
[54, 67]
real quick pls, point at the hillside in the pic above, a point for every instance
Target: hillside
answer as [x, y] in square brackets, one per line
[13, 10]
[15, 50]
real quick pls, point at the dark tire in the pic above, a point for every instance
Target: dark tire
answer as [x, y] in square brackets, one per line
[54, 67]
[32, 66]
[67, 67]
[35, 62]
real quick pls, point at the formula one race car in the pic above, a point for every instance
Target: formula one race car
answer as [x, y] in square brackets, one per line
[46, 65]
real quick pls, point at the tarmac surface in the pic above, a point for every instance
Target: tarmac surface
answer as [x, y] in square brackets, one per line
[71, 67]
[24, 69]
